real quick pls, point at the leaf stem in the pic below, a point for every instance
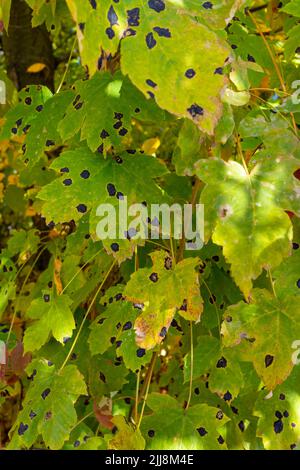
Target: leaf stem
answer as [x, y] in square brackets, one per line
[86, 316]
[192, 368]
[67, 66]
[148, 382]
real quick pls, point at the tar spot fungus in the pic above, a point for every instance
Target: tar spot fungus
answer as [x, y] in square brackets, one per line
[151, 83]
[163, 332]
[162, 32]
[269, 360]
[111, 189]
[151, 433]
[22, 429]
[45, 393]
[227, 396]
[127, 326]
[150, 41]
[153, 277]
[207, 5]
[68, 182]
[222, 363]
[195, 110]
[202, 431]
[157, 5]
[81, 208]
[278, 426]
[221, 440]
[241, 425]
[168, 263]
[133, 17]
[190, 73]
[218, 71]
[46, 298]
[85, 174]
[141, 352]
[115, 247]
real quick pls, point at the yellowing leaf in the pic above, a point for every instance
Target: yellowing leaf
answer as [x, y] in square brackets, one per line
[36, 68]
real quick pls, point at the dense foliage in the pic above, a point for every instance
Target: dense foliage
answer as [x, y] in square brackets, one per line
[141, 344]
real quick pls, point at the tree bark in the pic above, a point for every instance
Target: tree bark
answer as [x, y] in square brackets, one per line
[24, 46]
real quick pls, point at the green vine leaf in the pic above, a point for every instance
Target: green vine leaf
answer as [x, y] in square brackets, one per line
[51, 315]
[195, 428]
[48, 409]
[247, 325]
[160, 291]
[247, 213]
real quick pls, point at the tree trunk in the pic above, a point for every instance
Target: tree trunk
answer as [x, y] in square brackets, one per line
[24, 46]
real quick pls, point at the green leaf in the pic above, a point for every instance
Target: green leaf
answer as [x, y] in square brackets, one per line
[197, 428]
[190, 148]
[126, 437]
[48, 408]
[5, 6]
[103, 110]
[161, 61]
[248, 325]
[160, 290]
[292, 8]
[116, 326]
[52, 315]
[23, 242]
[224, 371]
[278, 413]
[247, 215]
[20, 117]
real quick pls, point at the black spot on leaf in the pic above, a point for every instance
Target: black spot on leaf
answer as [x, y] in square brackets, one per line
[81, 208]
[45, 393]
[110, 33]
[190, 73]
[22, 429]
[222, 363]
[227, 396]
[218, 71]
[202, 431]
[241, 425]
[168, 263]
[151, 83]
[162, 32]
[112, 16]
[127, 326]
[68, 182]
[85, 174]
[151, 433]
[207, 5]
[163, 332]
[141, 352]
[195, 110]
[111, 189]
[150, 41]
[278, 426]
[157, 5]
[133, 17]
[269, 360]
[153, 277]
[115, 247]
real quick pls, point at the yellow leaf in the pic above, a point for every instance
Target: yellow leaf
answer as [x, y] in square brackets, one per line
[151, 145]
[36, 68]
